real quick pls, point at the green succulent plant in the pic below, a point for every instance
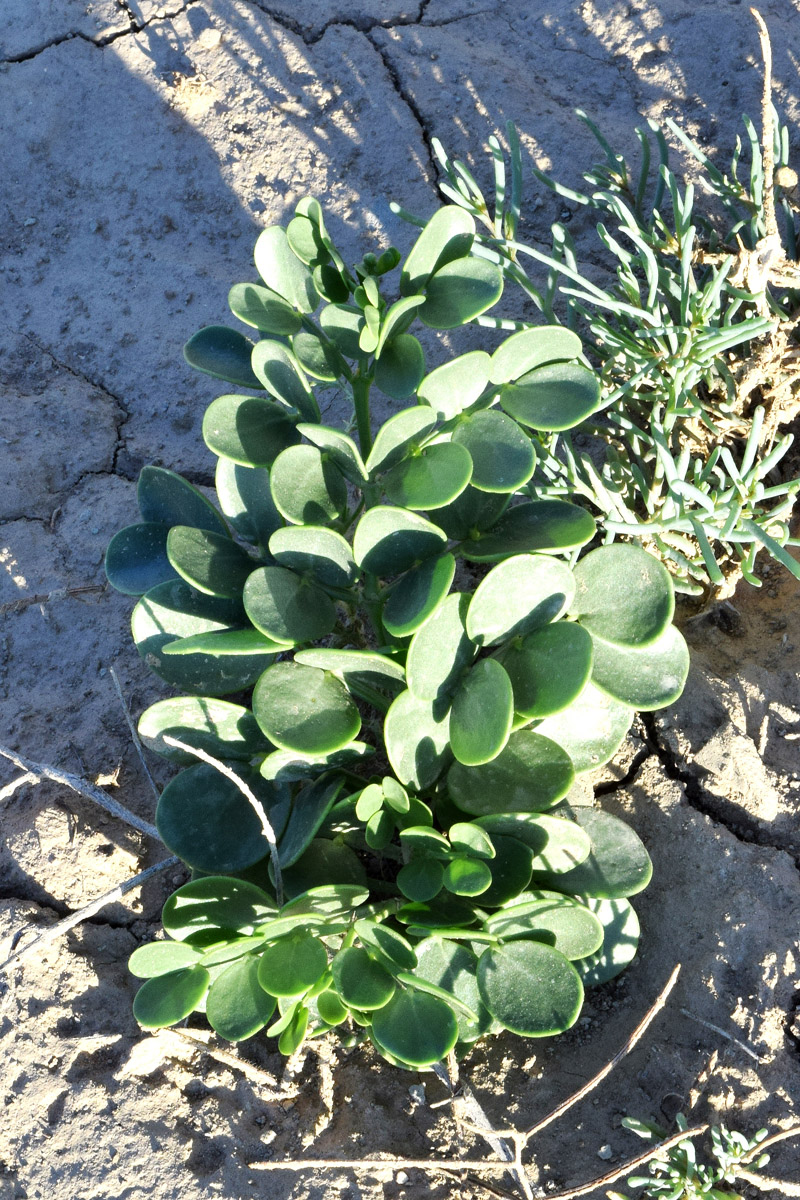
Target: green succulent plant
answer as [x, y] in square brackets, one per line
[394, 663]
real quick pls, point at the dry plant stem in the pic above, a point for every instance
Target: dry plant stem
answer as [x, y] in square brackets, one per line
[728, 1036]
[253, 801]
[781, 1136]
[632, 1165]
[61, 927]
[767, 133]
[82, 786]
[765, 1184]
[251, 1072]
[134, 733]
[45, 597]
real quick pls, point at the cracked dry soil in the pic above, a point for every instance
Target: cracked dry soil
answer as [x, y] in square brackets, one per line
[144, 145]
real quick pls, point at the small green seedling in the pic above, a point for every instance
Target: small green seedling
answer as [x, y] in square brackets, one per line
[678, 1174]
[393, 661]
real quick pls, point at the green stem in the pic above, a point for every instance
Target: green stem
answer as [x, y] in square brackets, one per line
[361, 385]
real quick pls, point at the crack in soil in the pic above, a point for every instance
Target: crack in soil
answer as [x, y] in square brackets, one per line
[744, 828]
[124, 411]
[101, 40]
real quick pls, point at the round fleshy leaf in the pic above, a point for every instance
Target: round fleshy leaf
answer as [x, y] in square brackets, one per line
[452, 966]
[216, 726]
[471, 513]
[447, 912]
[281, 374]
[292, 1036]
[323, 859]
[618, 866]
[557, 396]
[370, 801]
[307, 488]
[397, 436]
[401, 367]
[503, 457]
[530, 988]
[167, 499]
[283, 272]
[246, 500]
[237, 1006]
[330, 1008]
[173, 611]
[522, 352]
[387, 945]
[289, 766]
[563, 923]
[203, 817]
[317, 357]
[620, 940]
[511, 871]
[361, 982]
[430, 478]
[534, 525]
[356, 666]
[448, 235]
[169, 998]
[305, 709]
[440, 650]
[317, 551]
[287, 607]
[396, 320]
[417, 742]
[262, 308]
[590, 729]
[292, 965]
[379, 830]
[468, 837]
[456, 385]
[519, 595]
[223, 353]
[309, 809]
[467, 876]
[250, 430]
[549, 668]
[343, 324]
[624, 595]
[482, 713]
[305, 240]
[159, 958]
[421, 879]
[136, 559]
[567, 845]
[227, 642]
[645, 678]
[416, 1028]
[213, 564]
[339, 448]
[215, 907]
[389, 541]
[418, 595]
[460, 291]
[530, 774]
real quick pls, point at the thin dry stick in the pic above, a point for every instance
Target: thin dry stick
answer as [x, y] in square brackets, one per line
[277, 1092]
[781, 1136]
[377, 1164]
[134, 733]
[82, 914]
[728, 1036]
[632, 1165]
[8, 791]
[766, 1184]
[89, 791]
[45, 597]
[254, 802]
[767, 132]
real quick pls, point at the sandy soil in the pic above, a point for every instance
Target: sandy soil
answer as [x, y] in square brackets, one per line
[143, 146]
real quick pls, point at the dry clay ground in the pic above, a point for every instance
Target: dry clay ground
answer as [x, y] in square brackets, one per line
[144, 146]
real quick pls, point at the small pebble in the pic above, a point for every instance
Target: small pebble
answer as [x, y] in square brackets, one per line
[605, 1152]
[401, 1177]
[417, 1093]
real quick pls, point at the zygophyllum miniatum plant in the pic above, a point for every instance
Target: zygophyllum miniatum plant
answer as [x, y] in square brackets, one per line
[420, 659]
